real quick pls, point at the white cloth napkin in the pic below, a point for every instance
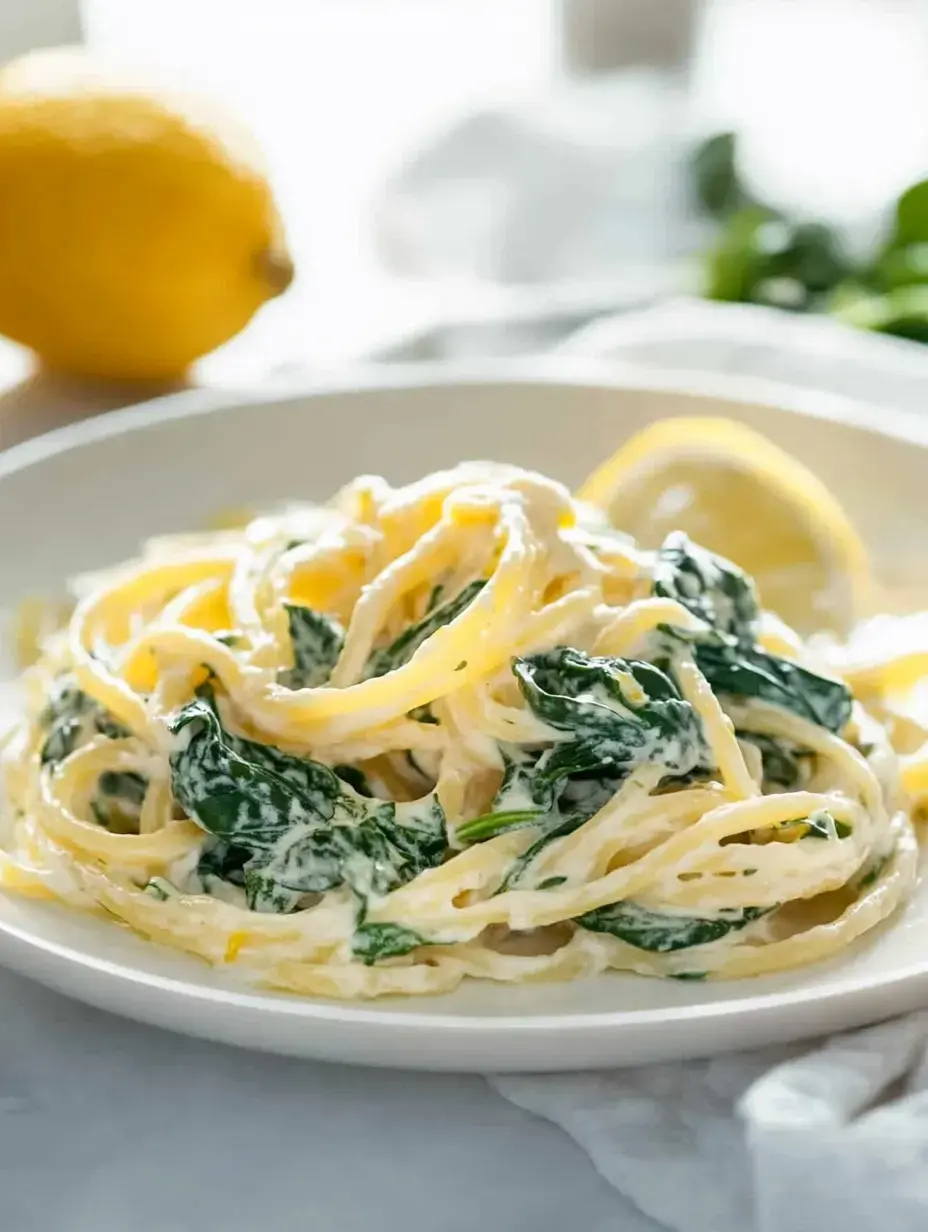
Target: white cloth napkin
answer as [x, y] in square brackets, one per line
[785, 1139]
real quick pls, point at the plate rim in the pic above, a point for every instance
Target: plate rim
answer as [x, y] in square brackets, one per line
[550, 370]
[294, 1006]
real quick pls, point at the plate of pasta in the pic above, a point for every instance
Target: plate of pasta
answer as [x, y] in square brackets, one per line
[520, 719]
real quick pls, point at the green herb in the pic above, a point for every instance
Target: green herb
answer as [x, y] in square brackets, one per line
[911, 219]
[762, 258]
[661, 932]
[373, 942]
[718, 189]
[688, 975]
[708, 586]
[901, 312]
[117, 801]
[402, 649]
[70, 718]
[760, 255]
[306, 830]
[317, 642]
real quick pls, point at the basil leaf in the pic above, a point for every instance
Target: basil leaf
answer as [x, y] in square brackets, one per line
[708, 586]
[70, 718]
[748, 671]
[662, 932]
[317, 642]
[305, 829]
[402, 648]
[373, 942]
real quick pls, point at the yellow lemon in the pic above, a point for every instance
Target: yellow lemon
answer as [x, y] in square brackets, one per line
[734, 492]
[137, 227]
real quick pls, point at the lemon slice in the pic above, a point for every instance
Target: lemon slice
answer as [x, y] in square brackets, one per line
[737, 494]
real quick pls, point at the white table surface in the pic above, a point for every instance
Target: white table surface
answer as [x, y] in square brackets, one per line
[109, 1126]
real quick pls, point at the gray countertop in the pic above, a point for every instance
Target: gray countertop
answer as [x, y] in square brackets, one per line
[108, 1126]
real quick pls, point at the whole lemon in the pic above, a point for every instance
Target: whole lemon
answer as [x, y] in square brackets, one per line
[137, 227]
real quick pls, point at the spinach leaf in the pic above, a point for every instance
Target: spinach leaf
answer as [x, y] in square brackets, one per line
[402, 648]
[354, 778]
[875, 871]
[388, 846]
[619, 714]
[222, 861]
[662, 932]
[307, 831]
[748, 671]
[721, 595]
[159, 888]
[782, 760]
[822, 825]
[317, 642]
[708, 586]
[515, 804]
[372, 942]
[70, 718]
[117, 801]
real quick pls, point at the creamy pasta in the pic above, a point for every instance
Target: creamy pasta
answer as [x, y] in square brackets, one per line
[459, 728]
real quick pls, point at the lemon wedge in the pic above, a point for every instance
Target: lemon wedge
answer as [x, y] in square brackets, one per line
[737, 494]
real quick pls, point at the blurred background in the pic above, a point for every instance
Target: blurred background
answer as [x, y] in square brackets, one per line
[476, 177]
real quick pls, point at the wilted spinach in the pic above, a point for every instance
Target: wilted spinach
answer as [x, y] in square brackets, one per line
[317, 642]
[306, 830]
[117, 801]
[71, 717]
[222, 861]
[744, 671]
[708, 586]
[619, 714]
[783, 761]
[403, 647]
[822, 825]
[727, 654]
[372, 942]
[663, 932]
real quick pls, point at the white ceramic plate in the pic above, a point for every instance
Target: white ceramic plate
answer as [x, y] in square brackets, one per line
[85, 496]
